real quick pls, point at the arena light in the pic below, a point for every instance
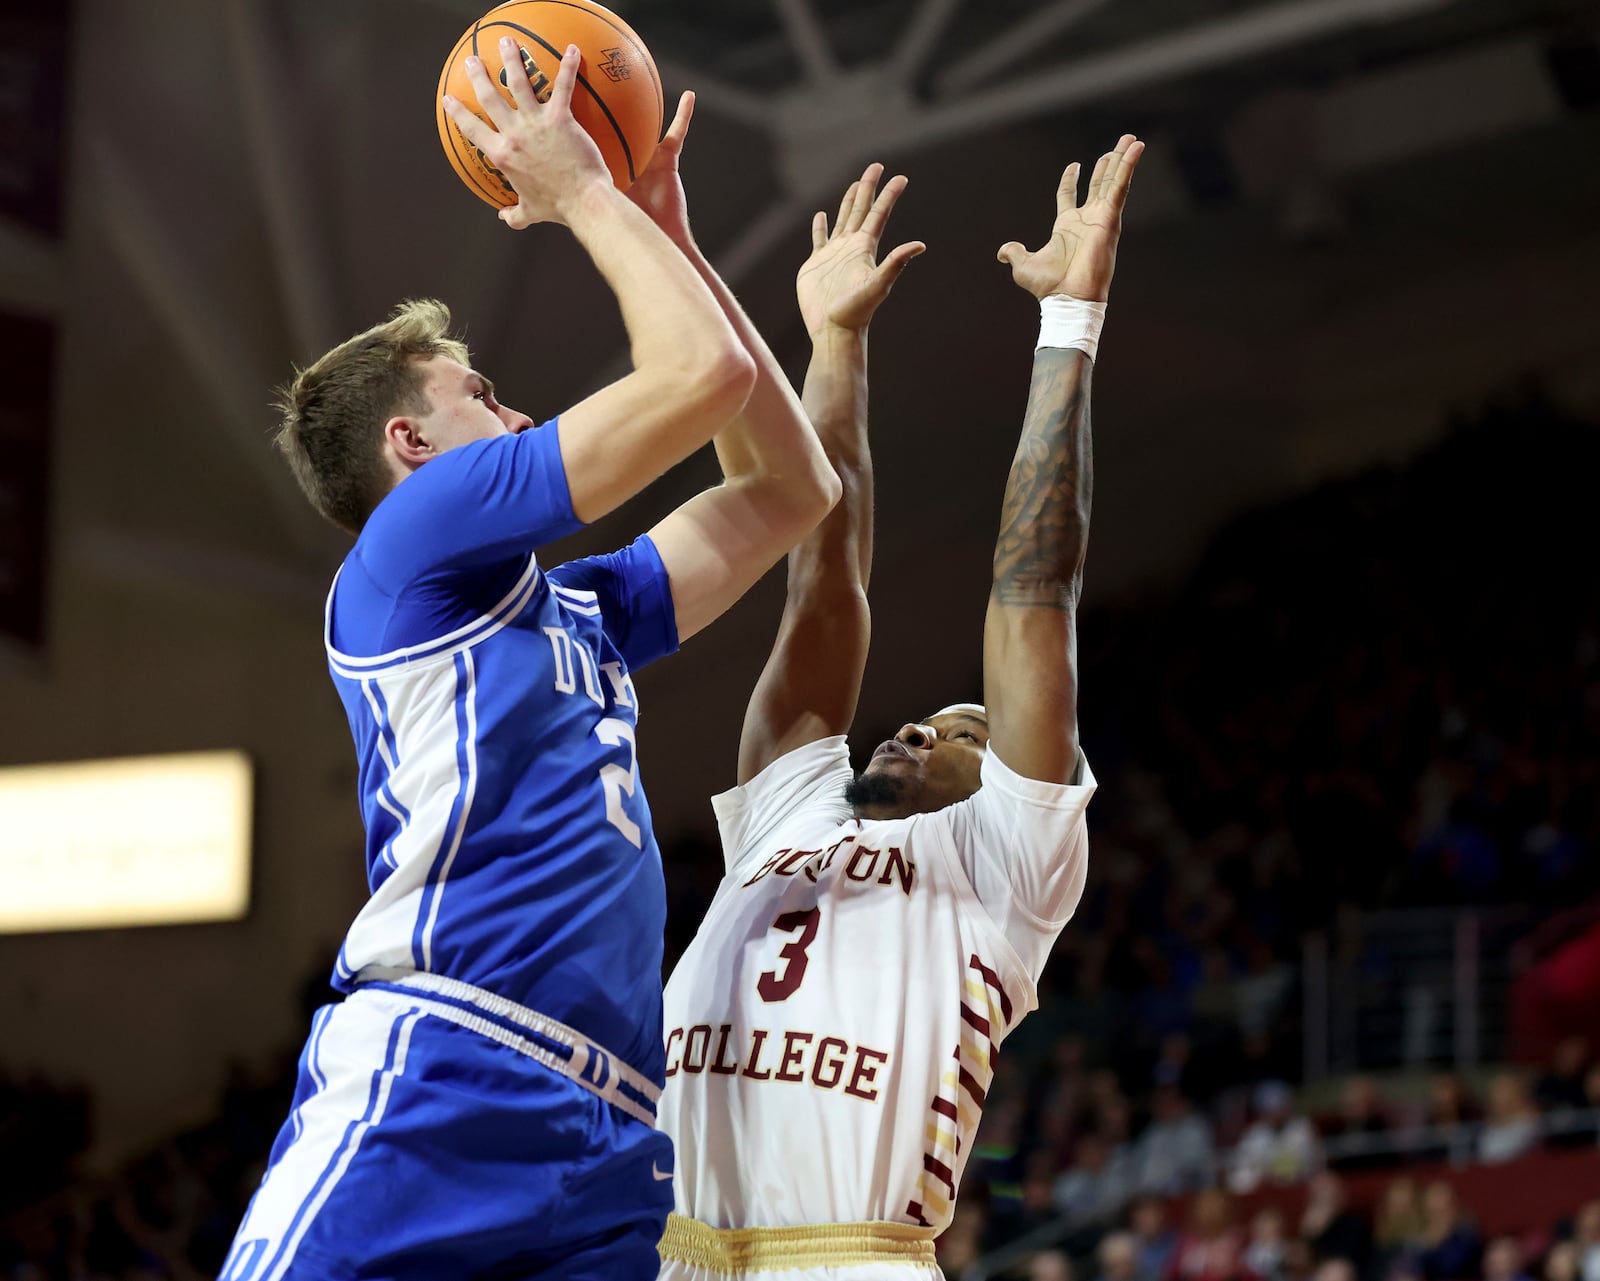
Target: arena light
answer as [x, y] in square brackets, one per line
[143, 840]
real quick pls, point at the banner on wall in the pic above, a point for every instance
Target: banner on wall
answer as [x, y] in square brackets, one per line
[34, 41]
[27, 367]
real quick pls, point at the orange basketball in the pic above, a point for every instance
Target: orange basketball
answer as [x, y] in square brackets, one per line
[617, 101]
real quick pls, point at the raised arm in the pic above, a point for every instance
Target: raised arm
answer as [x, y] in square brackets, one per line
[1030, 676]
[691, 374]
[812, 680]
[776, 482]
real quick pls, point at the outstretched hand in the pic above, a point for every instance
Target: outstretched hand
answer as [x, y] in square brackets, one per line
[842, 283]
[1081, 255]
[658, 189]
[540, 148]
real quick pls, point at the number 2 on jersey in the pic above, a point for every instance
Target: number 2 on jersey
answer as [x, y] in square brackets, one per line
[619, 782]
[780, 987]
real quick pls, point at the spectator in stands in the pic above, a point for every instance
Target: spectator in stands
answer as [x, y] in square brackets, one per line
[1210, 1249]
[1262, 990]
[1398, 1230]
[1214, 1002]
[1452, 1116]
[1280, 1147]
[1503, 1261]
[1175, 1154]
[1512, 1125]
[1586, 1236]
[1561, 1264]
[1049, 1265]
[1449, 1248]
[1456, 862]
[1119, 1257]
[1266, 1256]
[1330, 1228]
[1561, 1086]
[960, 1245]
[1362, 1114]
[1155, 1240]
[1450, 1102]
[1334, 1270]
[1096, 1187]
[1174, 1065]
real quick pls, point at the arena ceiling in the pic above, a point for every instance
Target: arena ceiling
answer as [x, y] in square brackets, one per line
[250, 180]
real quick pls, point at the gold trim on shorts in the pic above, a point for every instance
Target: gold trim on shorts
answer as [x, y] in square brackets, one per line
[732, 1251]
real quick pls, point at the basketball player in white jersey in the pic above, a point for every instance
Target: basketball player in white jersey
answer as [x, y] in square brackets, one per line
[831, 1031]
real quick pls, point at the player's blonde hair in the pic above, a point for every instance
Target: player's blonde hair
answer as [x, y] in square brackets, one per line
[333, 411]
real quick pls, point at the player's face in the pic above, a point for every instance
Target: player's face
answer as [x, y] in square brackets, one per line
[464, 407]
[926, 766]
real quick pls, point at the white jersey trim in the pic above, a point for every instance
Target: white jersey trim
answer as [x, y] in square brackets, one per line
[446, 646]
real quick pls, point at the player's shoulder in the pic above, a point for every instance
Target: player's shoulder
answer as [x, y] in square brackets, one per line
[804, 777]
[1001, 784]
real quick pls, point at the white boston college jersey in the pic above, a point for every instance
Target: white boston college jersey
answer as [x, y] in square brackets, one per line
[831, 1030]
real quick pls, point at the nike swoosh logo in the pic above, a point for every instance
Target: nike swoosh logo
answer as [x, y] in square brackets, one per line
[658, 1174]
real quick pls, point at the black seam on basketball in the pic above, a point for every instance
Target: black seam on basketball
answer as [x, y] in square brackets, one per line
[469, 172]
[628, 33]
[452, 135]
[627, 151]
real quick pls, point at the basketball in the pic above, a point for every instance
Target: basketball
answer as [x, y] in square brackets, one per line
[618, 98]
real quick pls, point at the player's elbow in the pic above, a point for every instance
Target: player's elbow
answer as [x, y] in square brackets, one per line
[792, 503]
[823, 490]
[721, 380]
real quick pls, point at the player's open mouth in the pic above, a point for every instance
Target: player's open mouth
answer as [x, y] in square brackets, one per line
[894, 747]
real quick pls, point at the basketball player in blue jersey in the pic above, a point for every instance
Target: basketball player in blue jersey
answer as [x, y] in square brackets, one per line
[483, 1103]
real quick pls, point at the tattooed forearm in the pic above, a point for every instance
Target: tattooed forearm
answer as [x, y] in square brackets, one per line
[1044, 525]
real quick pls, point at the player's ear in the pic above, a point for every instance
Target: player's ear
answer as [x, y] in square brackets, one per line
[404, 438]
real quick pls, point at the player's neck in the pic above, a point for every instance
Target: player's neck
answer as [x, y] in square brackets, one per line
[879, 811]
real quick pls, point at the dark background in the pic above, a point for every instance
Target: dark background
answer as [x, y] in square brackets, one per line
[1358, 228]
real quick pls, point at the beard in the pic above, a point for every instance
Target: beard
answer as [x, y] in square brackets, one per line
[868, 789]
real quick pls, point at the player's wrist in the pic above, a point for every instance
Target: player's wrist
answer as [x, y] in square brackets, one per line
[1066, 322]
[588, 199]
[831, 334]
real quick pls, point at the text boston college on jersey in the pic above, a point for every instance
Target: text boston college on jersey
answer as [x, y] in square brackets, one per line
[828, 1062]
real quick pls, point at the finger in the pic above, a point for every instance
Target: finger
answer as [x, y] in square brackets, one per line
[490, 101]
[1011, 253]
[883, 206]
[1067, 192]
[895, 262]
[678, 130]
[866, 193]
[566, 80]
[515, 75]
[474, 130]
[819, 230]
[515, 217]
[844, 207]
[1118, 194]
[1098, 177]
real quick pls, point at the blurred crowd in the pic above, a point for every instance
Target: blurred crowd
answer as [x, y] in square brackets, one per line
[1416, 1232]
[1382, 694]
[168, 1215]
[1075, 1152]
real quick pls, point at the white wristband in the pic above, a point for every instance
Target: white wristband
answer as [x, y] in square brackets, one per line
[1070, 322]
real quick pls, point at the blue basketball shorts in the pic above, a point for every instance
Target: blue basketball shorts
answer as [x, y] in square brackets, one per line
[434, 1138]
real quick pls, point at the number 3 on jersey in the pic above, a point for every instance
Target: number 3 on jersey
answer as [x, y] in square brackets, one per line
[774, 986]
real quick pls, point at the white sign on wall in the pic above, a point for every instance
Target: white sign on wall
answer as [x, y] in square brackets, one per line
[142, 840]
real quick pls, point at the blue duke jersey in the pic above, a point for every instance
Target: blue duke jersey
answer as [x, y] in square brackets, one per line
[509, 843]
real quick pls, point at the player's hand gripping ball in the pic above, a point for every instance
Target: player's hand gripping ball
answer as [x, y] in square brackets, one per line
[617, 101]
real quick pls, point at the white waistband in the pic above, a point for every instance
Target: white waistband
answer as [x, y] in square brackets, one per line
[538, 1037]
